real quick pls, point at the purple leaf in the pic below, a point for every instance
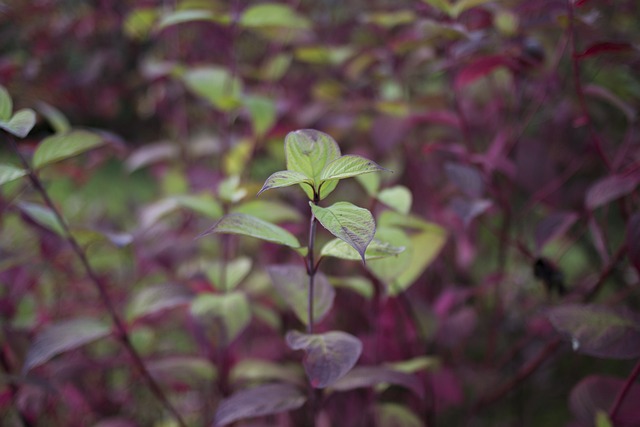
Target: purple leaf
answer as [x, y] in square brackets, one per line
[599, 331]
[553, 226]
[633, 240]
[369, 376]
[261, 400]
[479, 68]
[609, 189]
[329, 356]
[467, 210]
[604, 47]
[597, 393]
[466, 178]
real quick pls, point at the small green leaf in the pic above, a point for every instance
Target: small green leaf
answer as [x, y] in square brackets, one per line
[275, 67]
[184, 16]
[247, 225]
[154, 299]
[273, 15]
[63, 336]
[234, 272]
[329, 356]
[396, 415]
[348, 222]
[6, 105]
[398, 198]
[340, 249]
[271, 211]
[63, 146]
[370, 182]
[203, 204]
[230, 190]
[263, 113]
[285, 179]
[215, 84]
[348, 166]
[264, 370]
[139, 22]
[602, 419]
[58, 121]
[416, 364]
[43, 216]
[10, 173]
[21, 123]
[232, 310]
[357, 284]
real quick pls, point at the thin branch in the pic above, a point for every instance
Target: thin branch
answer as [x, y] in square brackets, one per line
[624, 391]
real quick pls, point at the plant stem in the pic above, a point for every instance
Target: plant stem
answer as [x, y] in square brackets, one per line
[122, 333]
[311, 268]
[623, 392]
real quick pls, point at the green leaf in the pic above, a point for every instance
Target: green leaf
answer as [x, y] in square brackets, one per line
[184, 16]
[263, 370]
[234, 272]
[398, 198]
[58, 121]
[203, 204]
[357, 284]
[154, 299]
[348, 166]
[340, 249]
[6, 105]
[275, 67]
[63, 146]
[263, 113]
[370, 182]
[248, 225]
[602, 419]
[231, 310]
[308, 151]
[10, 173]
[348, 222]
[285, 179]
[63, 336]
[180, 370]
[292, 284]
[271, 211]
[416, 364]
[21, 123]
[216, 85]
[396, 415]
[138, 23]
[230, 190]
[441, 5]
[273, 15]
[43, 216]
[329, 356]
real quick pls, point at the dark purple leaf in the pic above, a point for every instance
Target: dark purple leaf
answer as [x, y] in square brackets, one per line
[466, 178]
[554, 225]
[261, 400]
[479, 68]
[598, 240]
[610, 188]
[633, 240]
[597, 393]
[329, 356]
[604, 47]
[467, 210]
[369, 376]
[599, 331]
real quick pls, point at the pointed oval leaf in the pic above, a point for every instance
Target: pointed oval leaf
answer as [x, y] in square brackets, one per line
[377, 249]
[58, 121]
[292, 284]
[185, 16]
[398, 198]
[21, 123]
[348, 222]
[263, 113]
[63, 336]
[329, 356]
[369, 376]
[285, 179]
[154, 299]
[610, 188]
[216, 85]
[251, 226]
[597, 393]
[63, 146]
[357, 284]
[43, 216]
[268, 15]
[599, 331]
[231, 309]
[233, 272]
[261, 400]
[10, 173]
[271, 211]
[348, 166]
[6, 105]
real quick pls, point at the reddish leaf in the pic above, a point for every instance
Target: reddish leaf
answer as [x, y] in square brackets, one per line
[597, 393]
[633, 240]
[553, 226]
[609, 189]
[479, 68]
[369, 376]
[604, 47]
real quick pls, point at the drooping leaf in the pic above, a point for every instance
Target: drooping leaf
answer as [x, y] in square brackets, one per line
[58, 121]
[369, 376]
[396, 415]
[398, 198]
[292, 284]
[348, 222]
[233, 272]
[597, 392]
[6, 105]
[348, 166]
[599, 331]
[633, 240]
[261, 400]
[63, 146]
[610, 188]
[273, 15]
[552, 226]
[21, 123]
[215, 84]
[377, 249]
[285, 179]
[251, 226]
[263, 113]
[154, 299]
[271, 211]
[250, 370]
[43, 216]
[61, 337]
[230, 310]
[329, 356]
[10, 173]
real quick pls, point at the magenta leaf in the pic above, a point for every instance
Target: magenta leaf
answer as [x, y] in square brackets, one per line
[479, 68]
[63, 336]
[554, 225]
[610, 188]
[264, 399]
[369, 376]
[633, 240]
[599, 331]
[597, 393]
[604, 47]
[329, 356]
